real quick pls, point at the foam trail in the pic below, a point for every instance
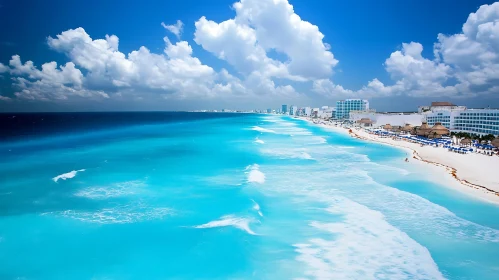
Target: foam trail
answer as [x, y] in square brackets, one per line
[256, 207]
[123, 214]
[287, 153]
[255, 175]
[259, 141]
[68, 175]
[261, 129]
[114, 190]
[362, 235]
[229, 220]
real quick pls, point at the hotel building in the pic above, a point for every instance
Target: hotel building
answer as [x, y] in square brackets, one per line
[284, 109]
[343, 107]
[461, 119]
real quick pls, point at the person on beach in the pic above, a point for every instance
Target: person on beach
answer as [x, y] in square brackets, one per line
[406, 160]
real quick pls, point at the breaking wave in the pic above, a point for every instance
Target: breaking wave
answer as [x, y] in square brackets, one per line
[255, 175]
[65, 176]
[229, 220]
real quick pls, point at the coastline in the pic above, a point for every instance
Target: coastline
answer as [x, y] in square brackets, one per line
[472, 174]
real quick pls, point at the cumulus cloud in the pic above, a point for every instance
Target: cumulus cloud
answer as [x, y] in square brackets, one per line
[271, 48]
[3, 68]
[176, 28]
[474, 53]
[107, 70]
[413, 75]
[51, 82]
[260, 27]
[465, 64]
[173, 74]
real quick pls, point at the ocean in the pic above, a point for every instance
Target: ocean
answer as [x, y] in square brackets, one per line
[166, 195]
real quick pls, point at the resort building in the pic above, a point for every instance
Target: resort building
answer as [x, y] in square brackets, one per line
[326, 112]
[284, 109]
[307, 111]
[478, 121]
[343, 107]
[461, 119]
[293, 110]
[315, 112]
[395, 119]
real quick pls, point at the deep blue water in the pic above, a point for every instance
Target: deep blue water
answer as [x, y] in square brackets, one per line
[217, 196]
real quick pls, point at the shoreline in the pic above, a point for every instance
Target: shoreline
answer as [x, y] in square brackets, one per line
[484, 185]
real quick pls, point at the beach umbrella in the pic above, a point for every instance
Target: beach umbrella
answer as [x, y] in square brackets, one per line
[495, 142]
[387, 127]
[365, 121]
[424, 129]
[407, 128]
[438, 130]
[466, 141]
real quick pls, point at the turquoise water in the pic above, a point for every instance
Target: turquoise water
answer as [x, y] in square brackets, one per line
[246, 197]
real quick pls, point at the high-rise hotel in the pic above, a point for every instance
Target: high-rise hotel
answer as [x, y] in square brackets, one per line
[284, 109]
[343, 107]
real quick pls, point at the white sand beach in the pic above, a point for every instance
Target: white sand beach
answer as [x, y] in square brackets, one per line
[474, 174]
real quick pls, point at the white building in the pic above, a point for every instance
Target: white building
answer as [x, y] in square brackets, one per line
[461, 119]
[478, 121]
[326, 112]
[293, 110]
[307, 111]
[394, 119]
[343, 107]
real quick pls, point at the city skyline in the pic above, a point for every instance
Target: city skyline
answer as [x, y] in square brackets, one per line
[163, 55]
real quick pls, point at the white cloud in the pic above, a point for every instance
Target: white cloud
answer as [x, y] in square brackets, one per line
[260, 27]
[465, 65]
[49, 83]
[174, 74]
[3, 68]
[174, 71]
[268, 45]
[474, 53]
[5, 98]
[176, 28]
[373, 89]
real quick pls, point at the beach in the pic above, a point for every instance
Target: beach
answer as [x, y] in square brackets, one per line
[474, 174]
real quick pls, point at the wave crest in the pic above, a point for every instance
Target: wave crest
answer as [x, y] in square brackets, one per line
[261, 129]
[69, 175]
[229, 220]
[255, 175]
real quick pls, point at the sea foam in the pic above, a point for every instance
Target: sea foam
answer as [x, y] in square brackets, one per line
[116, 215]
[261, 129]
[364, 235]
[256, 207]
[255, 175]
[113, 190]
[68, 175]
[288, 153]
[229, 220]
[259, 141]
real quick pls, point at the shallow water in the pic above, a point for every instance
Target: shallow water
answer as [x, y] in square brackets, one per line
[183, 196]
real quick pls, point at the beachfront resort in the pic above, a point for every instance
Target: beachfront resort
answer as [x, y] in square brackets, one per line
[463, 141]
[442, 124]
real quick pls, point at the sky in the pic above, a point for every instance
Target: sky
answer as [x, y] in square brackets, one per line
[59, 55]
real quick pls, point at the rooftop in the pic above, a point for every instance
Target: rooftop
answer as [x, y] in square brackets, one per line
[435, 104]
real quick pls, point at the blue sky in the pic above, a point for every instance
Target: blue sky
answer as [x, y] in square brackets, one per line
[357, 56]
